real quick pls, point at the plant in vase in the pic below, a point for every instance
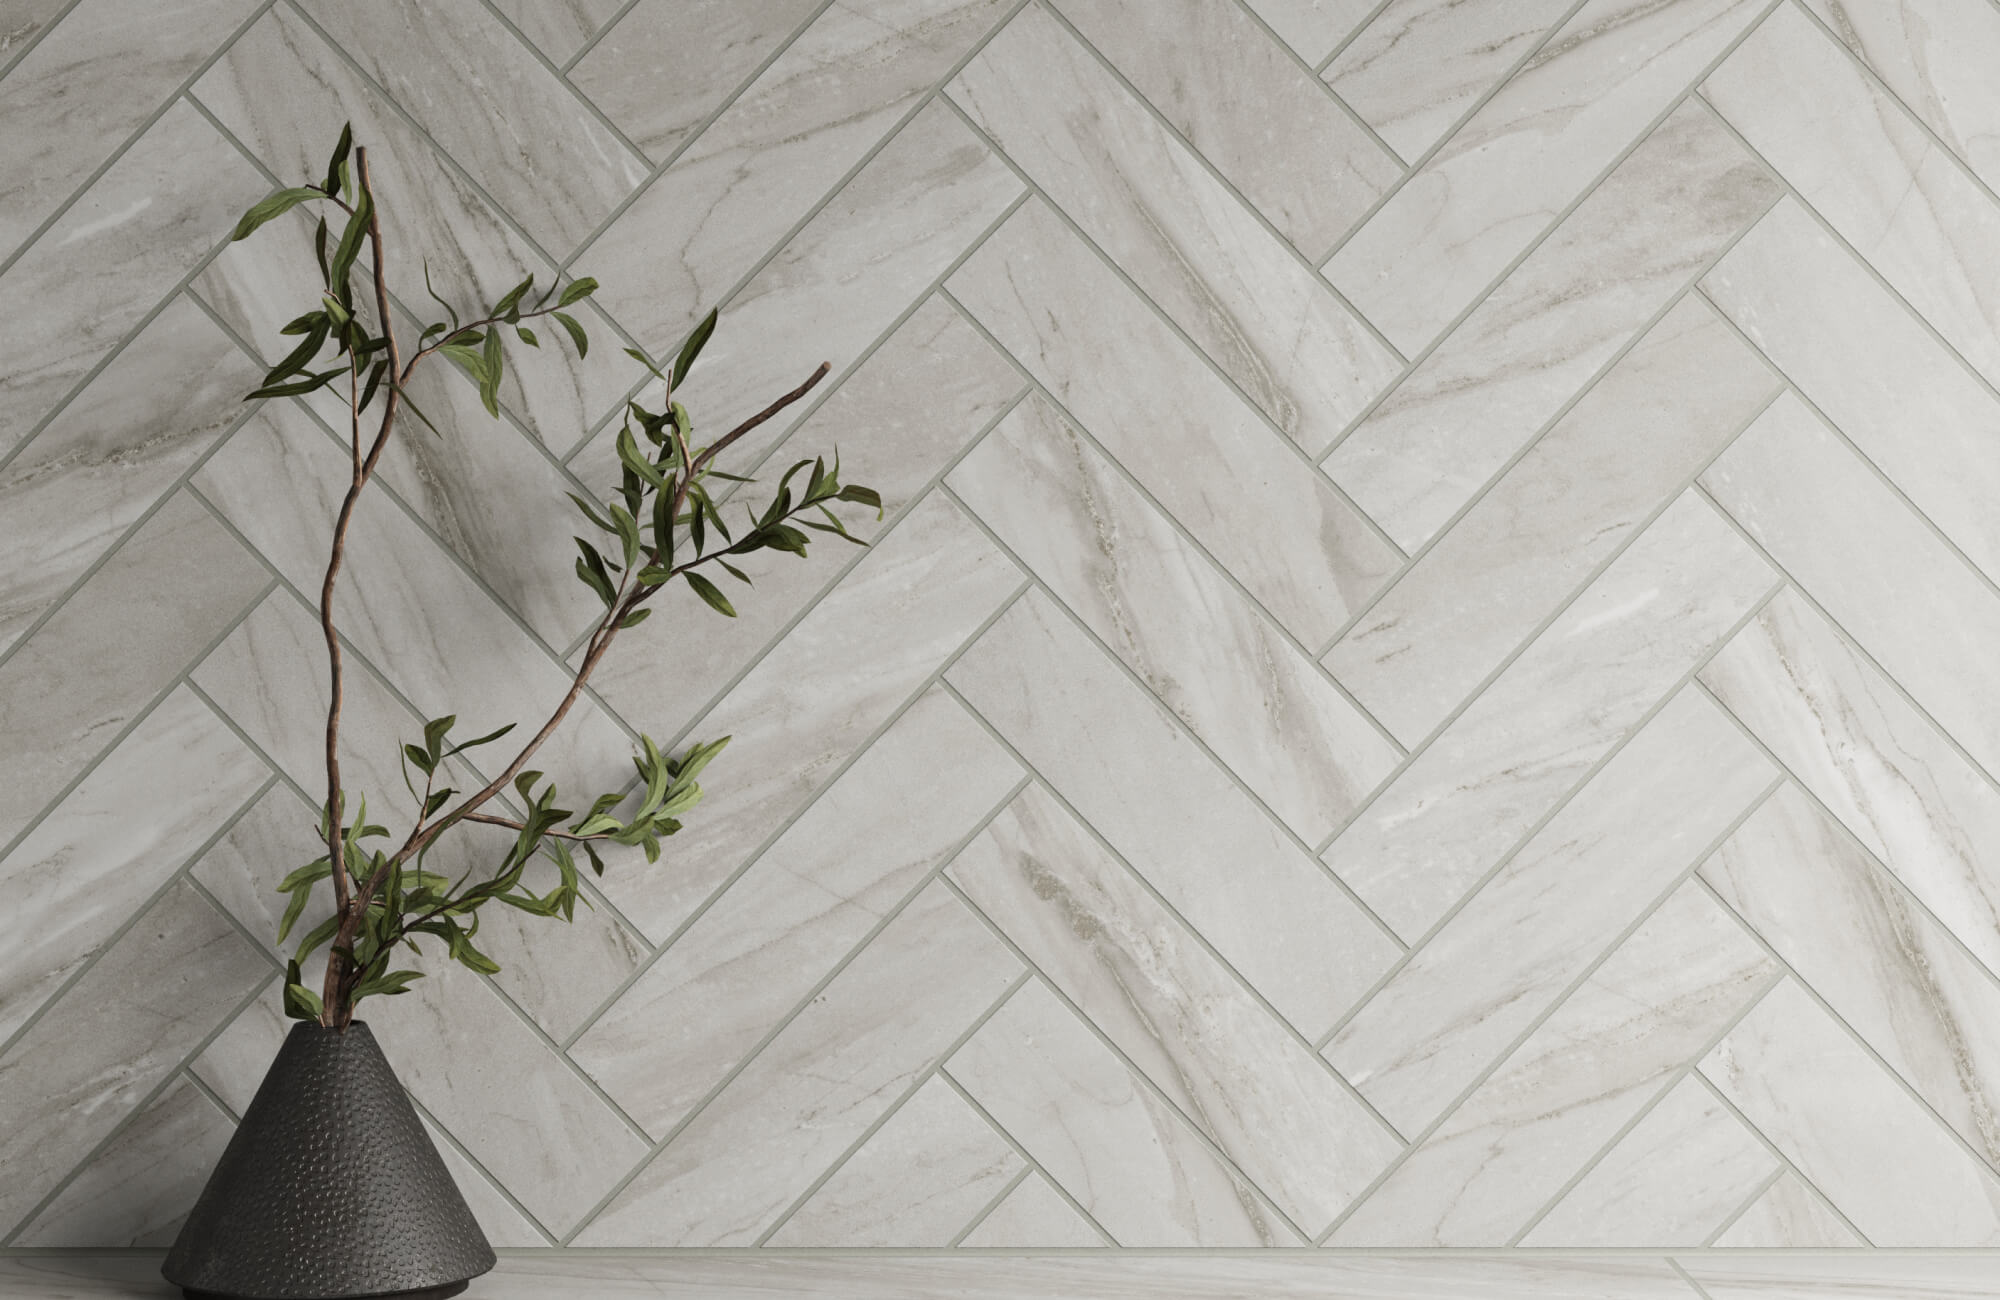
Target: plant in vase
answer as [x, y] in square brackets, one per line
[330, 1187]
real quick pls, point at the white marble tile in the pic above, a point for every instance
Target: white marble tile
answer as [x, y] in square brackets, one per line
[1420, 65]
[816, 1089]
[113, 841]
[1656, 417]
[1891, 191]
[558, 28]
[1312, 27]
[1555, 711]
[501, 1221]
[1124, 1154]
[1212, 658]
[1034, 1214]
[1859, 1276]
[746, 962]
[1843, 1122]
[917, 1181]
[1291, 346]
[26, 20]
[235, 1060]
[1920, 611]
[1581, 1076]
[1509, 368]
[1595, 868]
[1108, 749]
[1788, 1214]
[1253, 1089]
[1528, 152]
[1673, 1180]
[1307, 555]
[1248, 107]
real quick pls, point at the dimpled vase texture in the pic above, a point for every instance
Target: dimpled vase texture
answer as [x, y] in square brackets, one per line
[330, 1188]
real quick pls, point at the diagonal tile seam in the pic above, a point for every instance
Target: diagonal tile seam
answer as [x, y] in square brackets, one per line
[1138, 878]
[1178, 723]
[1354, 34]
[1527, 837]
[1786, 1166]
[187, 83]
[1034, 1165]
[627, 6]
[1757, 1193]
[985, 1211]
[561, 78]
[1141, 1079]
[1215, 173]
[7, 65]
[1699, 1290]
[1256, 606]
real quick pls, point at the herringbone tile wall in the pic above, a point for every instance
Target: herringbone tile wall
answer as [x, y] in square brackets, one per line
[1427, 679]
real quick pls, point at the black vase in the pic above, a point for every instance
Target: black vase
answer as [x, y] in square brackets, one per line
[329, 1190]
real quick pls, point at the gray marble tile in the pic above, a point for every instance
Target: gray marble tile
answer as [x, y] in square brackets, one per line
[1210, 656]
[1312, 27]
[110, 455]
[1510, 367]
[113, 841]
[1420, 65]
[137, 1190]
[1528, 153]
[1261, 314]
[1578, 1079]
[1788, 1214]
[781, 927]
[559, 28]
[117, 1033]
[763, 164]
[503, 1223]
[1842, 535]
[1673, 1180]
[733, 37]
[1178, 1015]
[1843, 1122]
[1034, 1214]
[1226, 86]
[1110, 751]
[1656, 417]
[25, 21]
[75, 1276]
[235, 1060]
[1505, 958]
[1530, 736]
[819, 1086]
[85, 674]
[839, 674]
[93, 275]
[1891, 191]
[86, 88]
[1123, 1153]
[1863, 1277]
[917, 1181]
[1284, 533]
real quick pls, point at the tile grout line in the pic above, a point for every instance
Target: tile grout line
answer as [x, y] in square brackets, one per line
[1762, 1189]
[506, 1194]
[536, 53]
[1700, 1291]
[1034, 1165]
[1353, 34]
[12, 61]
[603, 30]
[985, 1212]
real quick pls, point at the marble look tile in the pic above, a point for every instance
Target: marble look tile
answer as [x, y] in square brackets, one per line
[1527, 153]
[1126, 1156]
[1174, 1011]
[235, 1060]
[128, 239]
[1503, 959]
[109, 456]
[112, 842]
[1419, 65]
[503, 1224]
[658, 114]
[780, 928]
[1272, 326]
[1788, 1214]
[1572, 499]
[1881, 961]
[1555, 711]
[1859, 1276]
[1919, 610]
[24, 21]
[818, 1087]
[1110, 751]
[1212, 658]
[761, 166]
[1496, 380]
[1034, 1214]
[88, 86]
[1891, 191]
[896, 422]
[1857, 354]
[1285, 534]
[1226, 86]
[1673, 1180]
[116, 1034]
[85, 674]
[559, 28]
[515, 127]
[1842, 1121]
[1581, 1076]
[916, 1182]
[137, 1190]
[1312, 27]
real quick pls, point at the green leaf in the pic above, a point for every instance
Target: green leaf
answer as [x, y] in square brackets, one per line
[512, 299]
[525, 783]
[575, 332]
[418, 759]
[468, 360]
[340, 151]
[590, 567]
[301, 1003]
[575, 290]
[434, 733]
[527, 336]
[375, 376]
[396, 981]
[319, 248]
[710, 593]
[590, 513]
[438, 799]
[735, 572]
[349, 247]
[636, 617]
[448, 310]
[270, 209]
[628, 533]
[865, 496]
[697, 339]
[489, 383]
[486, 739]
